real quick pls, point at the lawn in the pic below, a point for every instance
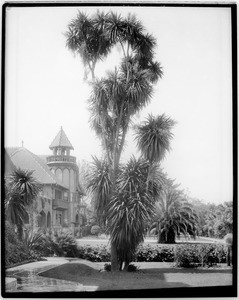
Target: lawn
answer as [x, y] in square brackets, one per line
[149, 276]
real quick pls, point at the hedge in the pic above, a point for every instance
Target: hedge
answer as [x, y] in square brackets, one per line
[182, 255]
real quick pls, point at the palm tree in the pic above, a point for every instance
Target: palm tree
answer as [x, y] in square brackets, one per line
[21, 190]
[132, 206]
[119, 95]
[174, 216]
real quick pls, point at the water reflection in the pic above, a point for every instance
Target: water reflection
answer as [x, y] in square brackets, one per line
[29, 281]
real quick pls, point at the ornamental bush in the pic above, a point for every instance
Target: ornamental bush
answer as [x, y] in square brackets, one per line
[17, 252]
[192, 255]
[63, 244]
[155, 253]
[95, 230]
[196, 255]
[97, 254]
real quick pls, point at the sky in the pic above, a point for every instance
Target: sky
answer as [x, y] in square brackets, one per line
[45, 89]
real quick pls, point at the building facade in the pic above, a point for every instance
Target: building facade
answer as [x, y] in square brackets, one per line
[60, 202]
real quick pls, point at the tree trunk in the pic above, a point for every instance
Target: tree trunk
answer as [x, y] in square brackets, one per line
[229, 255]
[159, 234]
[126, 265]
[114, 258]
[20, 232]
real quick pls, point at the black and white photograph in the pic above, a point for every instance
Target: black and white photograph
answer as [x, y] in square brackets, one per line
[119, 149]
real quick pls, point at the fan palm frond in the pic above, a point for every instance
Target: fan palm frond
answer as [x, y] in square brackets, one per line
[175, 213]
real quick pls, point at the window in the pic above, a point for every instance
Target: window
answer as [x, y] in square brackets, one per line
[58, 195]
[58, 218]
[65, 196]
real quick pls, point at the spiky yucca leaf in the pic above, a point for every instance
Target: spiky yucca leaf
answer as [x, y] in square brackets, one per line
[22, 182]
[99, 185]
[153, 137]
[132, 206]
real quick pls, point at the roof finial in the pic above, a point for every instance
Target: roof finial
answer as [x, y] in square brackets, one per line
[22, 144]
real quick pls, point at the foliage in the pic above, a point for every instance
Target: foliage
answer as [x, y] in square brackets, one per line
[97, 254]
[107, 267]
[21, 189]
[132, 206]
[32, 239]
[174, 215]
[99, 186]
[214, 220]
[64, 244]
[154, 136]
[10, 234]
[17, 251]
[156, 253]
[188, 255]
[199, 255]
[95, 229]
[114, 100]
[132, 268]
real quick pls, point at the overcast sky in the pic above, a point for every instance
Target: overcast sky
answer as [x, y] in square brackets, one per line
[45, 89]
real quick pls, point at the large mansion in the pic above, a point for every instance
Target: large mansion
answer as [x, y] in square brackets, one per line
[59, 204]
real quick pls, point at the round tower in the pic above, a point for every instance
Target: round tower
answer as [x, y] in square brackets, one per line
[64, 166]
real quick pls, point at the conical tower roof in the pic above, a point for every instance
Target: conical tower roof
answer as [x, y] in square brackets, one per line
[61, 140]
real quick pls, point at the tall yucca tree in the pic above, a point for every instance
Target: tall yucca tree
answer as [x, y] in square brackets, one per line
[119, 95]
[86, 37]
[174, 216]
[132, 206]
[20, 191]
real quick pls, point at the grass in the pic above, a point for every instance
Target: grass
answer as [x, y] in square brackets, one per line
[145, 278]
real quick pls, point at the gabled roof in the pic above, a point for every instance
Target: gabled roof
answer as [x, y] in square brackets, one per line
[61, 140]
[24, 159]
[8, 165]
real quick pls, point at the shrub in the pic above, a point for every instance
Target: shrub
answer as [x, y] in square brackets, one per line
[64, 244]
[186, 256]
[107, 267]
[132, 268]
[10, 234]
[199, 255]
[19, 253]
[154, 253]
[95, 230]
[32, 239]
[45, 246]
[97, 254]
